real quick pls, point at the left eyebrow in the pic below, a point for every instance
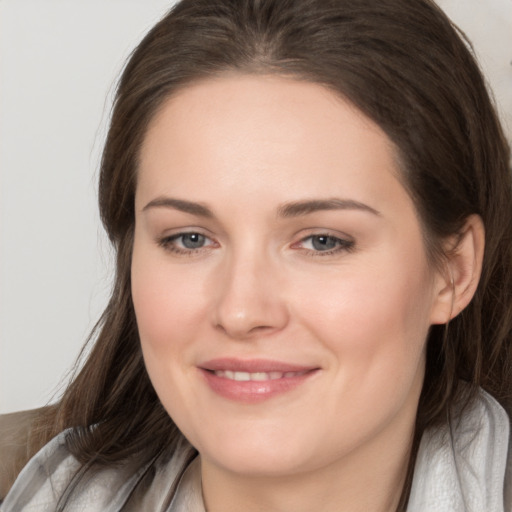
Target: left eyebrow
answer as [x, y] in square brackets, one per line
[297, 208]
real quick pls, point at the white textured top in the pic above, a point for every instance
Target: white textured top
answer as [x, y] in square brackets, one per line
[460, 468]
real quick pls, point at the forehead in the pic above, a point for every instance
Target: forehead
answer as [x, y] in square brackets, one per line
[249, 134]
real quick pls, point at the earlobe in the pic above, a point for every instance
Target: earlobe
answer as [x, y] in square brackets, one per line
[457, 284]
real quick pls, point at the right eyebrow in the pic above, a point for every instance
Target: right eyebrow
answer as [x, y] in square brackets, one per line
[181, 205]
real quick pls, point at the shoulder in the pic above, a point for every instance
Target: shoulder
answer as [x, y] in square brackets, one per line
[17, 444]
[43, 479]
[465, 465]
[54, 478]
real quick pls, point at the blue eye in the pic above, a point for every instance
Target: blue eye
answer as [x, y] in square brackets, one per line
[326, 244]
[185, 243]
[192, 240]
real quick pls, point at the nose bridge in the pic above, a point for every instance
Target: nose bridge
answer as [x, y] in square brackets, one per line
[248, 299]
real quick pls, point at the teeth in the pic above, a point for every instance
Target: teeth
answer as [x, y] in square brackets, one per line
[258, 376]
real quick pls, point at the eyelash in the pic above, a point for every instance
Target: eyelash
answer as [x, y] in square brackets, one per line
[169, 243]
[342, 245]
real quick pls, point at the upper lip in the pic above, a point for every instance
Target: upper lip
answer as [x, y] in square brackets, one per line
[252, 365]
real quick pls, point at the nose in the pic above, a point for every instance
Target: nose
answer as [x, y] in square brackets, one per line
[249, 299]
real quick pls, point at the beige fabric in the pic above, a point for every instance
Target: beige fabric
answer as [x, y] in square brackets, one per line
[15, 447]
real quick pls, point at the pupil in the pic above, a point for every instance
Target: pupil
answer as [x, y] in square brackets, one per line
[193, 241]
[323, 243]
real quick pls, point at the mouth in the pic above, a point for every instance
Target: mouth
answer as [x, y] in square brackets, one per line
[253, 381]
[256, 376]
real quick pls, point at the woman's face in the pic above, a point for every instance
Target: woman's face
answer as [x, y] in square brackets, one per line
[279, 277]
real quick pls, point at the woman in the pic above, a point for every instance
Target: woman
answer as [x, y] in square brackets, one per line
[311, 206]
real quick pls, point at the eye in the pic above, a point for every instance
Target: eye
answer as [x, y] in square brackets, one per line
[325, 244]
[185, 243]
[191, 240]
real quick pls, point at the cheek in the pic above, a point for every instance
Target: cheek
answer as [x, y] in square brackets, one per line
[374, 324]
[167, 303]
[374, 317]
[167, 308]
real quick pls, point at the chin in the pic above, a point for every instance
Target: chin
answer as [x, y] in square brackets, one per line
[257, 462]
[262, 451]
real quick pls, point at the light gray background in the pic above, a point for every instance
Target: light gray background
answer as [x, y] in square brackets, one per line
[58, 63]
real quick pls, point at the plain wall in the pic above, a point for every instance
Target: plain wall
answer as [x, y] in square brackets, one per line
[58, 63]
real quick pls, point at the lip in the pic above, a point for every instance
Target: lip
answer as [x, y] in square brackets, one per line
[254, 391]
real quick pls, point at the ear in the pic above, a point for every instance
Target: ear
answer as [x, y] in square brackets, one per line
[457, 282]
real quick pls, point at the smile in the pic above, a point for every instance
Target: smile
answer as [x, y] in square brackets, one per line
[256, 376]
[253, 381]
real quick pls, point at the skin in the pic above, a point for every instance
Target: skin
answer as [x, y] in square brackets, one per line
[260, 287]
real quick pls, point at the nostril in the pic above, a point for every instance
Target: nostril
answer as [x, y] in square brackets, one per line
[259, 328]
[244, 330]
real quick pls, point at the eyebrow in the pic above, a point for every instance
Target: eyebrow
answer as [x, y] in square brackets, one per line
[297, 208]
[287, 210]
[180, 204]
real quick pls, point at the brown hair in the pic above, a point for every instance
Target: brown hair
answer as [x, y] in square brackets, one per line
[402, 63]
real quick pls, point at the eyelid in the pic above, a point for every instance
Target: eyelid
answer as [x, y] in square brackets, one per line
[167, 242]
[345, 244]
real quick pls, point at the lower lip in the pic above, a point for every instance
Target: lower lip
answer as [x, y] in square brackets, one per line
[251, 391]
